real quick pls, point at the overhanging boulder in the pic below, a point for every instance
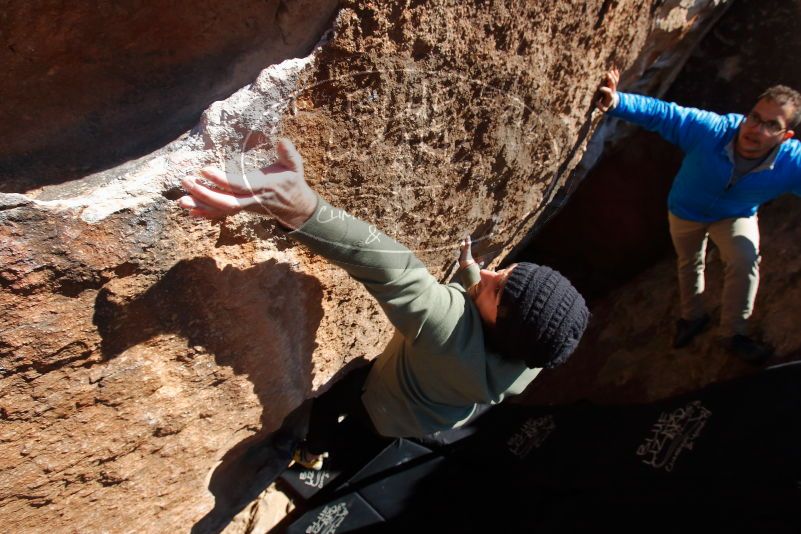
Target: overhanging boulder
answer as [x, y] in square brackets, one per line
[140, 347]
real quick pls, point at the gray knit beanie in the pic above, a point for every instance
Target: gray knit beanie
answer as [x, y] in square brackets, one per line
[541, 316]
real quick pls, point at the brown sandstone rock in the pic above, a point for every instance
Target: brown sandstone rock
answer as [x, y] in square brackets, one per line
[144, 354]
[90, 84]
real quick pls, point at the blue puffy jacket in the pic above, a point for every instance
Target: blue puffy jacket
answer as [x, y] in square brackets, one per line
[701, 190]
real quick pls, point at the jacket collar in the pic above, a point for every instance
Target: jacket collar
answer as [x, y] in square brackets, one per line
[768, 163]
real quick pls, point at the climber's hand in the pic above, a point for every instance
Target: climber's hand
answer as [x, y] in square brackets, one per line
[465, 253]
[607, 91]
[279, 191]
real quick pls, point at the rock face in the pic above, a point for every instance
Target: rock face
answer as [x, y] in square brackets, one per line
[146, 355]
[88, 85]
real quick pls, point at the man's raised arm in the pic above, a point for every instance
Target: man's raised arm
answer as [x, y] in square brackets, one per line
[682, 126]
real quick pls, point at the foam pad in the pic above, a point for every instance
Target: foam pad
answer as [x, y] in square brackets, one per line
[727, 457]
[306, 483]
[343, 514]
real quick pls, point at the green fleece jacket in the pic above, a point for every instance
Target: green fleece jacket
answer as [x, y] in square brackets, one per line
[436, 367]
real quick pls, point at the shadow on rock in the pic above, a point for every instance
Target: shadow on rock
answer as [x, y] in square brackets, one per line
[260, 322]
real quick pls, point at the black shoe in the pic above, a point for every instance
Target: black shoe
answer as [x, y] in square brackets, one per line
[748, 349]
[687, 330]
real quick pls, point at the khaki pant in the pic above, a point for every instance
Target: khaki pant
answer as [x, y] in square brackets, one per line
[738, 242]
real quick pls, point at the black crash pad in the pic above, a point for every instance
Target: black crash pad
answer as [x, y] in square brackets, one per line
[379, 491]
[343, 514]
[725, 457]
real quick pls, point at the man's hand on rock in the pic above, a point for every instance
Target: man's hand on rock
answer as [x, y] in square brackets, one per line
[279, 191]
[608, 90]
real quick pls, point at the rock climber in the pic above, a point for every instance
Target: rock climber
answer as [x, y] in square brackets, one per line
[455, 347]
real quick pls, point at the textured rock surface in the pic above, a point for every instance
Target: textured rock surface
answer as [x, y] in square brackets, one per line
[145, 355]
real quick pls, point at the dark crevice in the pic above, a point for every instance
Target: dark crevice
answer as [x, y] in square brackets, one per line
[73, 287]
[9, 202]
[173, 193]
[548, 209]
[126, 269]
[656, 5]
[602, 13]
[77, 350]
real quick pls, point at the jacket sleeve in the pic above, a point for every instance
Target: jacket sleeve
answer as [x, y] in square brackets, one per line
[794, 147]
[685, 127]
[409, 295]
[470, 276]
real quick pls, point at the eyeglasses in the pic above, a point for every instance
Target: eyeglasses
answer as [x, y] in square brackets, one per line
[770, 127]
